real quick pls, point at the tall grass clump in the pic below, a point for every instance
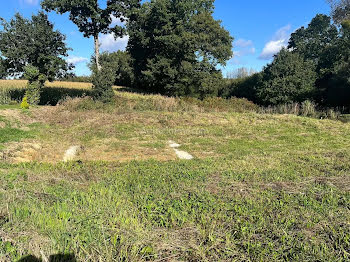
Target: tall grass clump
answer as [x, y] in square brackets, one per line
[306, 109]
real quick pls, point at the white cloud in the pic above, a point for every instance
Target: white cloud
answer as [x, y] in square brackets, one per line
[110, 44]
[117, 21]
[243, 43]
[76, 60]
[279, 41]
[31, 2]
[244, 47]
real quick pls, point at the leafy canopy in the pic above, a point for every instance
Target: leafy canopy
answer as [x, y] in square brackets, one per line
[34, 42]
[314, 41]
[176, 46]
[90, 18]
[289, 78]
[121, 63]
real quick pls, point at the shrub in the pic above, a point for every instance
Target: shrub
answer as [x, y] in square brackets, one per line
[35, 84]
[5, 96]
[243, 87]
[103, 81]
[24, 104]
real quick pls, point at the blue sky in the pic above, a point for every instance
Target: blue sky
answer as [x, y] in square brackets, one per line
[260, 28]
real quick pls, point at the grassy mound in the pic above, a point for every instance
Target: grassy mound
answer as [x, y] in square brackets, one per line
[262, 187]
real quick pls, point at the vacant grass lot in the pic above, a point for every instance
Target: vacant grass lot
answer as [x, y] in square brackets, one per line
[261, 187]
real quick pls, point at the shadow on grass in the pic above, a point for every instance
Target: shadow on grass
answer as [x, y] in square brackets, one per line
[133, 90]
[51, 95]
[52, 258]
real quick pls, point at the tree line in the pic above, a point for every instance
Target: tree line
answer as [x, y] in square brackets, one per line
[315, 66]
[175, 48]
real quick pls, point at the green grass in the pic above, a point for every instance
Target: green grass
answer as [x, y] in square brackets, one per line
[198, 210]
[8, 133]
[13, 106]
[261, 188]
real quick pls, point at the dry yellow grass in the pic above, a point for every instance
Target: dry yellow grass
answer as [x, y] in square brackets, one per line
[75, 85]
[64, 84]
[13, 83]
[23, 83]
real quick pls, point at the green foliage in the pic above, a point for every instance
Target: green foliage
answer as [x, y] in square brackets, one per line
[176, 46]
[315, 41]
[91, 19]
[340, 10]
[48, 95]
[244, 87]
[103, 81]
[3, 70]
[24, 104]
[314, 67]
[74, 78]
[34, 42]
[121, 63]
[337, 92]
[287, 79]
[328, 49]
[36, 82]
[5, 96]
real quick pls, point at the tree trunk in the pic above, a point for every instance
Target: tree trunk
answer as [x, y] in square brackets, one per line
[97, 53]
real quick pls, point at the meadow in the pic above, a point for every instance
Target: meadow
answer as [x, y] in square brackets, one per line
[261, 187]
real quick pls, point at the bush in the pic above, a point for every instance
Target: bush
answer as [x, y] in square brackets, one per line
[24, 104]
[243, 87]
[36, 82]
[103, 81]
[5, 96]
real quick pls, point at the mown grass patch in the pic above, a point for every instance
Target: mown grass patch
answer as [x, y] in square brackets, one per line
[8, 133]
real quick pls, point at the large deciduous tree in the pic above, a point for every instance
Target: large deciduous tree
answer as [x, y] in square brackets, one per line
[314, 41]
[320, 44]
[176, 47]
[91, 19]
[32, 42]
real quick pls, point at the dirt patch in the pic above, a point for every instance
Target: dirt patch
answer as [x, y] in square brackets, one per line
[54, 151]
[16, 115]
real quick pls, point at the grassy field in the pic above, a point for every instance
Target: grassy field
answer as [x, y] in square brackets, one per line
[260, 187]
[22, 84]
